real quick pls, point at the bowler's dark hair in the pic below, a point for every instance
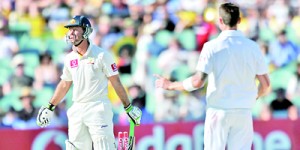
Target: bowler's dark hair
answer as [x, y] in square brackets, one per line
[230, 13]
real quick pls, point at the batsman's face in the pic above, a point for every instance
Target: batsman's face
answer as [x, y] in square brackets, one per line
[75, 34]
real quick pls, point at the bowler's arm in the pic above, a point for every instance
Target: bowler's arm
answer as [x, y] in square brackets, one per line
[264, 85]
[191, 83]
[60, 92]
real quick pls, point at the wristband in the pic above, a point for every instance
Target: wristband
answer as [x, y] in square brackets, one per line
[188, 84]
[128, 108]
[51, 106]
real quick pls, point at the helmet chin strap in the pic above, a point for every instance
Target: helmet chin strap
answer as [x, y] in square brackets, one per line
[78, 43]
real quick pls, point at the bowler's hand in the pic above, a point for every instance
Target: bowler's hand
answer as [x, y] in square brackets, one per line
[134, 113]
[44, 116]
[161, 82]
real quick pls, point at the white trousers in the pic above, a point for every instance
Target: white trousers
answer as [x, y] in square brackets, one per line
[233, 127]
[91, 124]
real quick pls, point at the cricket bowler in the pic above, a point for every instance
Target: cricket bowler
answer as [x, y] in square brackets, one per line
[89, 68]
[231, 63]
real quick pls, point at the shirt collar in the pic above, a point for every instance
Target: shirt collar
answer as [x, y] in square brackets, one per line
[88, 51]
[227, 33]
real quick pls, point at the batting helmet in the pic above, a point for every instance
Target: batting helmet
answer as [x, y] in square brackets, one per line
[81, 21]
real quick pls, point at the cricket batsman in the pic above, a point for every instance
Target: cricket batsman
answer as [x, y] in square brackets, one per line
[89, 68]
[231, 63]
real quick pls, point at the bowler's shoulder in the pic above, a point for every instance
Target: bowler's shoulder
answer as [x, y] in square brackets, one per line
[250, 41]
[251, 44]
[211, 44]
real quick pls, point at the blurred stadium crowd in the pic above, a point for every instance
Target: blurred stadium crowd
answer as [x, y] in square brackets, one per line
[146, 37]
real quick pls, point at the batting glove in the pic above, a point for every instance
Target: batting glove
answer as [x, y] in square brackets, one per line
[134, 114]
[45, 114]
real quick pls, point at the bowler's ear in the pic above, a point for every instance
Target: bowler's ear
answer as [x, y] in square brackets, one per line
[221, 20]
[239, 21]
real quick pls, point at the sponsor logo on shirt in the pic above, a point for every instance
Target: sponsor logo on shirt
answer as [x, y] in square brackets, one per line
[114, 67]
[74, 63]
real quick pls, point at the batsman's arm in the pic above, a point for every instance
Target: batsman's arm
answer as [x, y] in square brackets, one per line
[119, 88]
[264, 85]
[46, 112]
[133, 112]
[61, 90]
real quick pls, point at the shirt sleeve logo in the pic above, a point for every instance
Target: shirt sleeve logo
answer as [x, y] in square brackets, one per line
[74, 63]
[114, 67]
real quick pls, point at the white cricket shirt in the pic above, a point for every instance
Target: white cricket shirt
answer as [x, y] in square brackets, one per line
[231, 61]
[89, 73]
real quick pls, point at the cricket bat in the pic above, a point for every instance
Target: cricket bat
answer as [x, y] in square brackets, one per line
[131, 143]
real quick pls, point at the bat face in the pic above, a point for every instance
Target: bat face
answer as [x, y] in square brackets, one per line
[131, 144]
[131, 136]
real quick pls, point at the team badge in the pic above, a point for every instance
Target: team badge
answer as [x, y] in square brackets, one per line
[91, 60]
[114, 67]
[74, 63]
[72, 21]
